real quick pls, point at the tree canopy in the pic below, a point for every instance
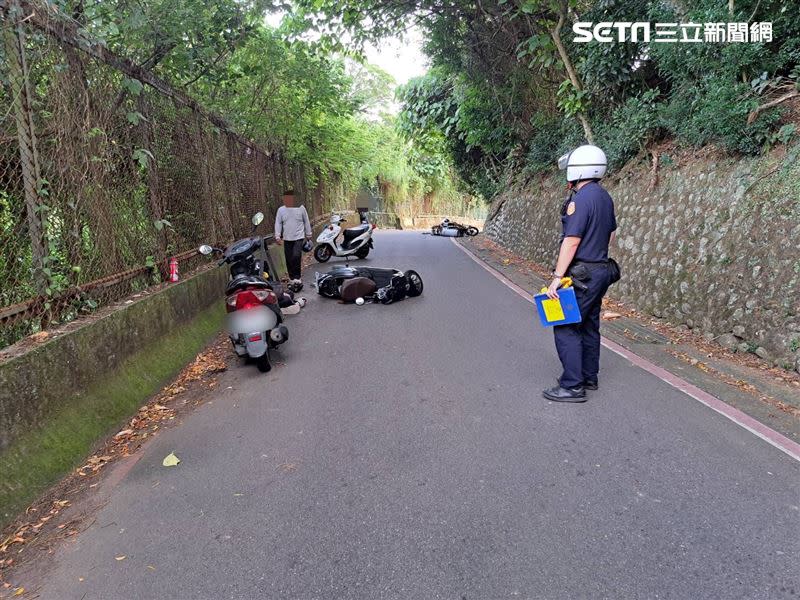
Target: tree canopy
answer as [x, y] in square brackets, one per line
[510, 90]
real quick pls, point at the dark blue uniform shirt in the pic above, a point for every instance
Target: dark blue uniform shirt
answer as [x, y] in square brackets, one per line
[590, 216]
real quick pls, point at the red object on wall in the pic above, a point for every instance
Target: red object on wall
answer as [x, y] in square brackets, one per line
[173, 269]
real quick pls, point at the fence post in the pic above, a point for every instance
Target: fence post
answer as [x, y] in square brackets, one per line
[153, 185]
[14, 41]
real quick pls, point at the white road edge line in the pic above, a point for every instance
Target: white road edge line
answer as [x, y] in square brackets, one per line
[743, 420]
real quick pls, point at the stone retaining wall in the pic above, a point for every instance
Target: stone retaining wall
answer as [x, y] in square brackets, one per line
[715, 245]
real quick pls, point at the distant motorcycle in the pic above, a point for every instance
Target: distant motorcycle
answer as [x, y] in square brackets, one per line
[357, 240]
[255, 322]
[450, 228]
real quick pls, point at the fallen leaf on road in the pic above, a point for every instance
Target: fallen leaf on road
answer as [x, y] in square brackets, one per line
[610, 315]
[19, 591]
[123, 557]
[151, 567]
[124, 432]
[171, 460]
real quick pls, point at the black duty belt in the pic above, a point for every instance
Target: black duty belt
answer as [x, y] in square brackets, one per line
[590, 264]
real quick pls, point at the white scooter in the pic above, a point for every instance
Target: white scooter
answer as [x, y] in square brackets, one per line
[357, 240]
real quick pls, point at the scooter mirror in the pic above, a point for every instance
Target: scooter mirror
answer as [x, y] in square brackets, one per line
[257, 218]
[205, 249]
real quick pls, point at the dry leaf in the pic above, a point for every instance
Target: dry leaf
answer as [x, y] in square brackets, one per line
[171, 460]
[19, 591]
[123, 557]
[610, 315]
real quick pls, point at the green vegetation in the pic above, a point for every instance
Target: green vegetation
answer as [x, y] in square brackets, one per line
[510, 91]
[317, 103]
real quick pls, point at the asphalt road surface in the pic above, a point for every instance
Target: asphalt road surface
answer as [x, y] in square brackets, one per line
[405, 451]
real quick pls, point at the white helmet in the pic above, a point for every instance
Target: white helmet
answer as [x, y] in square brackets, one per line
[585, 162]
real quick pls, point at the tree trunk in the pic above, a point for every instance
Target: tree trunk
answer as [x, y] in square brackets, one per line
[555, 33]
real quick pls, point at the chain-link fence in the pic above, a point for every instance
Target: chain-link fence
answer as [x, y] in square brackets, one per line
[106, 172]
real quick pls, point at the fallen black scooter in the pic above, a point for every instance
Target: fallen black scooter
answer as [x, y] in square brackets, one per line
[371, 283]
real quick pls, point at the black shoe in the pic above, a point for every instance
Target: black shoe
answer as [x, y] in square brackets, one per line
[560, 394]
[586, 385]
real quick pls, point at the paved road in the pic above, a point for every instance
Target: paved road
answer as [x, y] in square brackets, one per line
[405, 452]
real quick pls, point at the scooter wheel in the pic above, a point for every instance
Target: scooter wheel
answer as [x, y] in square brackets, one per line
[322, 253]
[263, 364]
[328, 288]
[472, 231]
[414, 283]
[362, 252]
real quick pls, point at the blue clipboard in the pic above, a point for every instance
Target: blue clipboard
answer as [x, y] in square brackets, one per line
[563, 311]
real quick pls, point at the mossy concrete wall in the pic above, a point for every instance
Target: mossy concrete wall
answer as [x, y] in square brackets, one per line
[59, 399]
[36, 383]
[713, 245]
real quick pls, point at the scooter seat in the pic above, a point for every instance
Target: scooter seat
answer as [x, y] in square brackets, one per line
[354, 232]
[246, 281]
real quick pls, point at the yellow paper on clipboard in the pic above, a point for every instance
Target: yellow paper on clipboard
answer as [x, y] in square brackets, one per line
[552, 310]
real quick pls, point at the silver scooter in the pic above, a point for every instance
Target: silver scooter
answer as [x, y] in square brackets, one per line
[255, 321]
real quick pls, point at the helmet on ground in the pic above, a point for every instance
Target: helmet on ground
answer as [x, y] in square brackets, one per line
[585, 162]
[307, 246]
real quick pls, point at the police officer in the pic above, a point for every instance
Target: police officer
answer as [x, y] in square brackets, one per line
[588, 223]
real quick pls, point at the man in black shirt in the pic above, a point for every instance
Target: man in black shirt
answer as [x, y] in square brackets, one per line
[588, 225]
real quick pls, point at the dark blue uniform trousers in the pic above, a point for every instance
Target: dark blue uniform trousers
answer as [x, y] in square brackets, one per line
[578, 345]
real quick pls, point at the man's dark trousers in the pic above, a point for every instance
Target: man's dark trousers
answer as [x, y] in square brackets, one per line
[578, 345]
[293, 251]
